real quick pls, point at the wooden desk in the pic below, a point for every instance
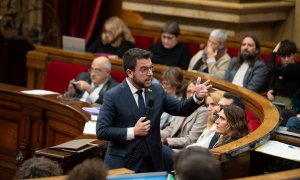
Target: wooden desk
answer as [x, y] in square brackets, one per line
[32, 122]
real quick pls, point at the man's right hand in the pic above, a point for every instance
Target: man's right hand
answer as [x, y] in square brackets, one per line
[141, 128]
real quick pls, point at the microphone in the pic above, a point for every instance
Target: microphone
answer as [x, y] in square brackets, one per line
[148, 108]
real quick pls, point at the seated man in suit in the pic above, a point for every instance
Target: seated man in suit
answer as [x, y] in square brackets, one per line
[214, 58]
[248, 70]
[91, 86]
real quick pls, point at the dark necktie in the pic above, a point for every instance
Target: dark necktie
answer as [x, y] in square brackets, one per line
[141, 103]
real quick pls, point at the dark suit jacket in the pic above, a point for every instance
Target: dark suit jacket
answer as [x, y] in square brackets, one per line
[119, 111]
[255, 77]
[85, 76]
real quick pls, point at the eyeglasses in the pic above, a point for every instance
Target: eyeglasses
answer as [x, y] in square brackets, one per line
[105, 31]
[168, 37]
[95, 70]
[145, 70]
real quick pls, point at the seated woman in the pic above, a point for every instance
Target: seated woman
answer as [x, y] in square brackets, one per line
[211, 101]
[230, 125]
[115, 38]
[170, 52]
[173, 83]
[286, 80]
[185, 130]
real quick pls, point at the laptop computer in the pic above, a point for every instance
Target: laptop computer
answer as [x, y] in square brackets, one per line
[73, 43]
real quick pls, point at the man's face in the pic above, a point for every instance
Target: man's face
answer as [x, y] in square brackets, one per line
[98, 73]
[141, 76]
[223, 102]
[248, 48]
[168, 40]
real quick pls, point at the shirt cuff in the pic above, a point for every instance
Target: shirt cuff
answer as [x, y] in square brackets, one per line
[130, 133]
[197, 101]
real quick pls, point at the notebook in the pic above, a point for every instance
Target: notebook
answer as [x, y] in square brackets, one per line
[73, 43]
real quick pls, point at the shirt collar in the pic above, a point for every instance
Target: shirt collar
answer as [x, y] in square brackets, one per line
[132, 88]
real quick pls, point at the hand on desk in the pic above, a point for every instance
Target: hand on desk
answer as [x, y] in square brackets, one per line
[142, 128]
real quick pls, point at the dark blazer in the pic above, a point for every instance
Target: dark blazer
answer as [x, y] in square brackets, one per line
[255, 77]
[85, 76]
[119, 111]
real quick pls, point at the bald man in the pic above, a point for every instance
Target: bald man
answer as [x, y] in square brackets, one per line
[91, 86]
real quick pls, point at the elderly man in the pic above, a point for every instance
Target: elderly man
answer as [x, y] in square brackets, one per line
[91, 86]
[248, 70]
[214, 58]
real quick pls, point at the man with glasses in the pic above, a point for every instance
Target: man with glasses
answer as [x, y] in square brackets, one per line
[169, 51]
[91, 86]
[130, 115]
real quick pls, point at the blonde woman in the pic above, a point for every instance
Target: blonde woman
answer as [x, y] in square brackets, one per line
[115, 38]
[214, 96]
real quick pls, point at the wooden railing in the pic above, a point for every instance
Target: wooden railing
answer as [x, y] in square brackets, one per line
[233, 154]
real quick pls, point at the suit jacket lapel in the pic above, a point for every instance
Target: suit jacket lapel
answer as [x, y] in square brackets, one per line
[128, 97]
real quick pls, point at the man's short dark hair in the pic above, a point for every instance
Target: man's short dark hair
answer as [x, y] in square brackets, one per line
[90, 169]
[286, 48]
[38, 167]
[171, 27]
[237, 100]
[132, 55]
[197, 163]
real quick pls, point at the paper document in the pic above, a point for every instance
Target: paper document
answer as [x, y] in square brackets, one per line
[39, 92]
[279, 149]
[92, 110]
[74, 144]
[90, 127]
[284, 130]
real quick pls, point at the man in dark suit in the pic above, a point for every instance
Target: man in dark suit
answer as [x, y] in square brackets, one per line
[91, 86]
[134, 140]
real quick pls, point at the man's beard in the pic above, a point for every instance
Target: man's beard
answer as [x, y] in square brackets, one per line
[247, 56]
[140, 83]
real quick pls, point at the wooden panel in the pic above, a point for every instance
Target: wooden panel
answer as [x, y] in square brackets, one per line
[29, 122]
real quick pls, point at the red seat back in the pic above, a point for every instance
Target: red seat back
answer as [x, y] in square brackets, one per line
[59, 75]
[118, 76]
[143, 42]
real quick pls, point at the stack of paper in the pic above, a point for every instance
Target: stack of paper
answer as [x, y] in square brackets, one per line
[279, 149]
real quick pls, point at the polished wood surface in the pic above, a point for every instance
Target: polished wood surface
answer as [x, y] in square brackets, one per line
[32, 122]
[234, 154]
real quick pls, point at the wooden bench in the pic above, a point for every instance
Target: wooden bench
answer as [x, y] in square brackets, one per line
[234, 156]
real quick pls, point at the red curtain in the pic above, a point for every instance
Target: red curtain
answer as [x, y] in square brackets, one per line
[84, 17]
[78, 18]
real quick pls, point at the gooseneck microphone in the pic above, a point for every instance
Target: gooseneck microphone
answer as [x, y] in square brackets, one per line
[149, 108]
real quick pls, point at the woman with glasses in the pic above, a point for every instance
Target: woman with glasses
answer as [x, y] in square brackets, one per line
[211, 101]
[169, 51]
[230, 125]
[115, 38]
[286, 75]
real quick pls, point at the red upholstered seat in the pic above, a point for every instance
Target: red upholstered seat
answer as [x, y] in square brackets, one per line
[59, 75]
[143, 42]
[118, 76]
[233, 52]
[193, 47]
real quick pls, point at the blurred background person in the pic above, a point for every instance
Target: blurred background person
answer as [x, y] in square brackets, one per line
[169, 51]
[90, 169]
[230, 125]
[173, 82]
[115, 38]
[214, 58]
[286, 78]
[91, 86]
[37, 167]
[248, 70]
[197, 163]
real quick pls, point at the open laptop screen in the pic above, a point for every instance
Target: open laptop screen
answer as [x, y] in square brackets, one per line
[73, 43]
[140, 176]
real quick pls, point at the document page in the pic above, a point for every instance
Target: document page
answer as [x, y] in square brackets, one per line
[279, 149]
[39, 92]
[74, 144]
